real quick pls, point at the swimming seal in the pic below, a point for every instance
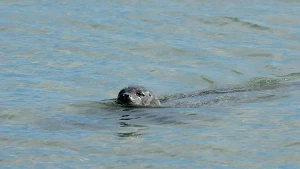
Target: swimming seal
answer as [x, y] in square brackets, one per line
[137, 96]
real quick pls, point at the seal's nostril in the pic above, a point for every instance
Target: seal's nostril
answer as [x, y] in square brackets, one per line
[125, 96]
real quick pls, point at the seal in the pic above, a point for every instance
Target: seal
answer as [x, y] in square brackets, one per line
[137, 96]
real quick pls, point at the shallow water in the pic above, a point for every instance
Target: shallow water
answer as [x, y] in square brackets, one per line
[59, 59]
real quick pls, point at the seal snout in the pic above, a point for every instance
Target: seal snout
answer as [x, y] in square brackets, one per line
[125, 95]
[124, 98]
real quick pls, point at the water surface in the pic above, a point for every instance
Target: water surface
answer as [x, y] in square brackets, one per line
[59, 59]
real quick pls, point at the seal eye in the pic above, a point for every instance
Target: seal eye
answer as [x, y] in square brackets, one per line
[140, 94]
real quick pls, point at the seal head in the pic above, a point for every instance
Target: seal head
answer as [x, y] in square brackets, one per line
[137, 96]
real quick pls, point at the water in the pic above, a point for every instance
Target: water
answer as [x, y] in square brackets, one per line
[59, 59]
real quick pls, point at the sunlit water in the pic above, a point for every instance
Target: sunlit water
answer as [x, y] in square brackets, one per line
[60, 59]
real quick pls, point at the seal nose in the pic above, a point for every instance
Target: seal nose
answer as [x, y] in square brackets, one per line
[125, 98]
[125, 95]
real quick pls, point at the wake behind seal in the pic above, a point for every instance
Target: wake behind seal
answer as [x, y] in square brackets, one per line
[137, 96]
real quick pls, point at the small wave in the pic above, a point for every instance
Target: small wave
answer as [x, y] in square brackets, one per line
[245, 23]
[291, 77]
[263, 81]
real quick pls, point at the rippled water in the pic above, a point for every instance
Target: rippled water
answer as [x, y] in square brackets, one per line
[60, 59]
